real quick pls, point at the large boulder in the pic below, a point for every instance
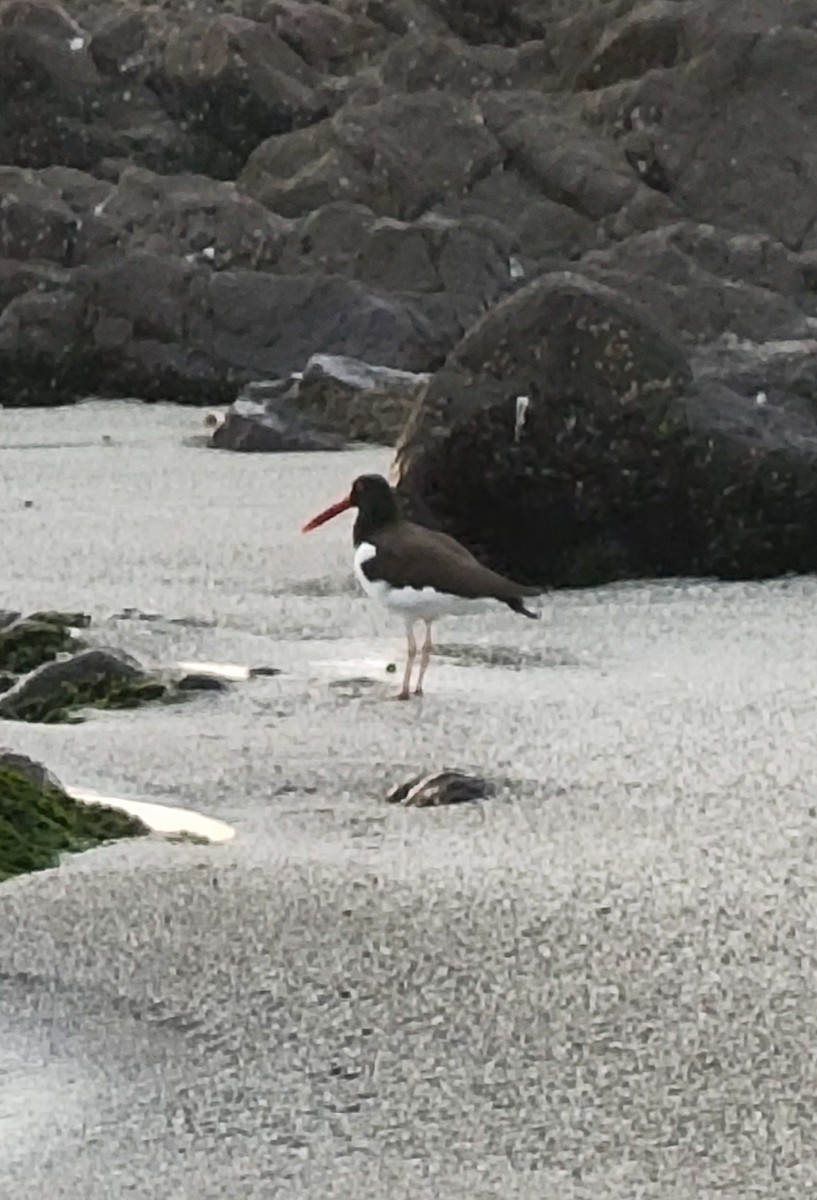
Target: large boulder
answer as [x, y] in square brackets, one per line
[536, 227]
[705, 282]
[569, 163]
[327, 38]
[561, 335]
[166, 328]
[651, 36]
[418, 62]
[236, 81]
[187, 215]
[774, 370]
[734, 127]
[467, 261]
[565, 441]
[399, 156]
[35, 222]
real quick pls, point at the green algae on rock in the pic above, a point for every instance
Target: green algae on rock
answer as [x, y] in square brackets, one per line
[39, 822]
[29, 642]
[53, 616]
[97, 678]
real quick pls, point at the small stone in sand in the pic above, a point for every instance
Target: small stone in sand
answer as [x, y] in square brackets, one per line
[435, 788]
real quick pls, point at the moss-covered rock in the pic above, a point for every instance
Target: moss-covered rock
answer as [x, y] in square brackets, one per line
[69, 620]
[39, 822]
[98, 678]
[32, 641]
[62, 675]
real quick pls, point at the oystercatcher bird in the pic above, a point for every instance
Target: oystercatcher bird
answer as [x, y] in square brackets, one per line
[417, 572]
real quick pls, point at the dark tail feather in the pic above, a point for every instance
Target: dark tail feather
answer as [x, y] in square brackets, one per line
[518, 606]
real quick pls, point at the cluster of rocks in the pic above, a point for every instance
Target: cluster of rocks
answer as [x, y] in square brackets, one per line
[48, 674]
[335, 401]
[594, 226]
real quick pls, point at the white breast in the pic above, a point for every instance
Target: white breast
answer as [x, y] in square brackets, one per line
[415, 604]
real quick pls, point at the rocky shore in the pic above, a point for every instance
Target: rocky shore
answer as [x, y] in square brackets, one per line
[604, 212]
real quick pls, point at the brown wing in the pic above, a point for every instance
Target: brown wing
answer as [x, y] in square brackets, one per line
[410, 555]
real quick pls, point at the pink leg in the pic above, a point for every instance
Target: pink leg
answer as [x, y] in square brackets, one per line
[425, 655]
[405, 690]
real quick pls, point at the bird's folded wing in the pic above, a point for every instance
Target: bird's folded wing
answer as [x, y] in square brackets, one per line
[410, 555]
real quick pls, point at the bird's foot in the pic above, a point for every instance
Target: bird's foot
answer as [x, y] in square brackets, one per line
[418, 691]
[404, 695]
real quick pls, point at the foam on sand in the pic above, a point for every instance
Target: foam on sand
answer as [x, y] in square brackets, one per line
[160, 818]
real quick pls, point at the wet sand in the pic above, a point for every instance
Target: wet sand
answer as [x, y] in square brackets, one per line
[599, 983]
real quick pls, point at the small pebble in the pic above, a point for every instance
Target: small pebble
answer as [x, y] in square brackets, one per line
[435, 788]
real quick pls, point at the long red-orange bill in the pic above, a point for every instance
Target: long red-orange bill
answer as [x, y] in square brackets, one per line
[333, 510]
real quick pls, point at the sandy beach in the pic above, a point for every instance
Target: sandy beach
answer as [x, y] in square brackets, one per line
[600, 983]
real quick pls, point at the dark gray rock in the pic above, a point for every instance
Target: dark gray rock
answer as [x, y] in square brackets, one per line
[269, 426]
[562, 335]
[56, 108]
[721, 120]
[165, 328]
[653, 36]
[462, 262]
[418, 62]
[618, 464]
[204, 220]
[704, 282]
[236, 82]
[329, 39]
[774, 371]
[535, 226]
[356, 400]
[334, 401]
[400, 157]
[570, 164]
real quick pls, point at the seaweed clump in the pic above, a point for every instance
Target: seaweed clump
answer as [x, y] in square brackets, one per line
[95, 678]
[39, 822]
[28, 643]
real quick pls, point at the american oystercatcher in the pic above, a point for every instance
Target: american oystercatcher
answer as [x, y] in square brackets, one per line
[416, 572]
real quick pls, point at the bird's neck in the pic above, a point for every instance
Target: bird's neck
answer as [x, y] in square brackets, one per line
[369, 524]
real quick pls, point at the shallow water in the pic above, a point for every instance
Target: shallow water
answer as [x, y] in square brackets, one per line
[599, 983]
